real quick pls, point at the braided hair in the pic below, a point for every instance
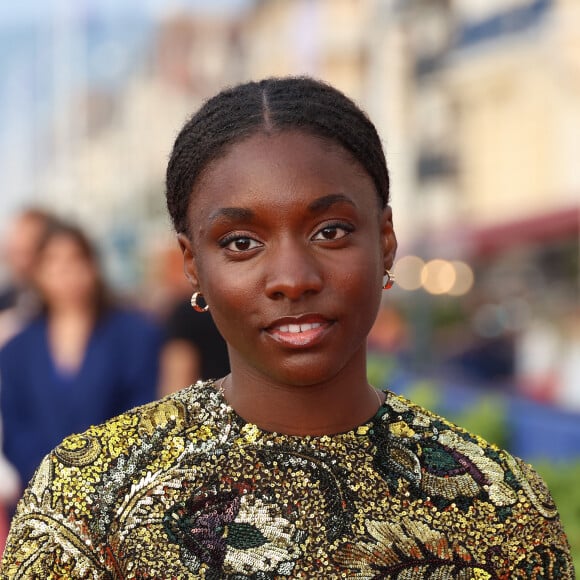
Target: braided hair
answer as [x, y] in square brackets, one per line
[269, 105]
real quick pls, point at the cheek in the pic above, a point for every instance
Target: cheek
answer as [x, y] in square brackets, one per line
[361, 268]
[85, 284]
[49, 275]
[232, 296]
[360, 288]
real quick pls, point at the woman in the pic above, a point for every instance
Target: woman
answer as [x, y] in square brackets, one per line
[80, 362]
[292, 465]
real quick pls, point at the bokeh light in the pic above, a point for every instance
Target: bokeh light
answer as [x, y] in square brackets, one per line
[438, 276]
[408, 272]
[464, 278]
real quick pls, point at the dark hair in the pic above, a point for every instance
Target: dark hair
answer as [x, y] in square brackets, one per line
[273, 104]
[38, 214]
[59, 228]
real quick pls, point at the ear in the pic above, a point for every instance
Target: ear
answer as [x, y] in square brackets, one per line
[189, 265]
[389, 240]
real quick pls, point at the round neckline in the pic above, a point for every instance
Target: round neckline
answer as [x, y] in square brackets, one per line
[360, 430]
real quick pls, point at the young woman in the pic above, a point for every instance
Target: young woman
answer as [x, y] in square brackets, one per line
[292, 466]
[80, 362]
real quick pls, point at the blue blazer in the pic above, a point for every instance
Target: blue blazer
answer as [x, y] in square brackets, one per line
[41, 405]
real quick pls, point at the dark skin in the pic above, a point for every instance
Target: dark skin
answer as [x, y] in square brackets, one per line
[288, 242]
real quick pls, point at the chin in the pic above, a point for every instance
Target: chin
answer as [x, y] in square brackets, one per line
[304, 374]
[301, 368]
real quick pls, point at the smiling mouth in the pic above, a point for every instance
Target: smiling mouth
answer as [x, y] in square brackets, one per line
[295, 328]
[299, 334]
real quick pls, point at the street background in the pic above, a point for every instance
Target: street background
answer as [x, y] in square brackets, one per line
[478, 106]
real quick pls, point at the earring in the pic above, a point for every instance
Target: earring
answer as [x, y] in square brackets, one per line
[195, 305]
[388, 280]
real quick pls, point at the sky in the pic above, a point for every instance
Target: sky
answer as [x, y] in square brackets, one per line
[27, 10]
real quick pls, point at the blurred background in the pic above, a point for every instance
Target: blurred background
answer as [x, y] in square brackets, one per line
[478, 106]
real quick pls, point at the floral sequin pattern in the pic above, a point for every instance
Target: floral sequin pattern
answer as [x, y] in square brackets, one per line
[185, 488]
[446, 465]
[228, 533]
[406, 551]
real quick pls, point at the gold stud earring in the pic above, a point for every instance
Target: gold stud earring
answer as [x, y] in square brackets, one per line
[195, 305]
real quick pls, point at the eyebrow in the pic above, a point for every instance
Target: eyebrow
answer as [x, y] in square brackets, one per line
[327, 201]
[245, 214]
[232, 213]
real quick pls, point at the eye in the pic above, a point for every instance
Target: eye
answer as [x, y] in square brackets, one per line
[239, 243]
[333, 232]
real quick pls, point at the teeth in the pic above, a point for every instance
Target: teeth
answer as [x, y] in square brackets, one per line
[295, 328]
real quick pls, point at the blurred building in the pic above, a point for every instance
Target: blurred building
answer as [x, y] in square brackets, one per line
[494, 119]
[108, 167]
[497, 113]
[477, 101]
[353, 45]
[325, 38]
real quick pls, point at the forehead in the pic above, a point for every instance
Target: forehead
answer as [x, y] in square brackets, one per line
[63, 243]
[282, 167]
[25, 230]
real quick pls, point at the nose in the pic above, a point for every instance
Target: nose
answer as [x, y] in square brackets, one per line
[292, 272]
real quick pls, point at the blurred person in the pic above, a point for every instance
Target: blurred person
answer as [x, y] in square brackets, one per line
[538, 360]
[18, 304]
[568, 393]
[9, 494]
[163, 281]
[17, 298]
[82, 360]
[193, 349]
[292, 465]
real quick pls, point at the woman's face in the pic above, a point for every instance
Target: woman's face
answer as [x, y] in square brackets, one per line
[288, 246]
[64, 274]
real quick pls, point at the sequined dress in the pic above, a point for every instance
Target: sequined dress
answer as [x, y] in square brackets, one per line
[185, 488]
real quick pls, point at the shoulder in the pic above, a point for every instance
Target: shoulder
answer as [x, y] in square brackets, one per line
[148, 438]
[130, 324]
[406, 418]
[450, 472]
[89, 475]
[141, 432]
[130, 316]
[453, 467]
[30, 334]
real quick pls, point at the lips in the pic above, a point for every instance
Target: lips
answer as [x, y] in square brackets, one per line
[303, 331]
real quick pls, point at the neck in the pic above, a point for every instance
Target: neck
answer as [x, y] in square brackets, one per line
[325, 408]
[71, 310]
[69, 332]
